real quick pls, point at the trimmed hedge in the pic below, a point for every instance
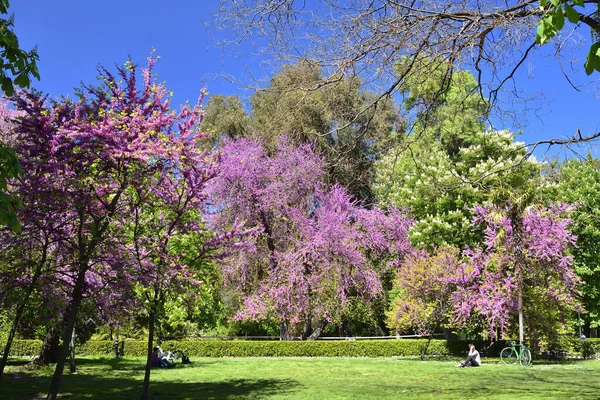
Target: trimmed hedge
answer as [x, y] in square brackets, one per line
[22, 348]
[321, 348]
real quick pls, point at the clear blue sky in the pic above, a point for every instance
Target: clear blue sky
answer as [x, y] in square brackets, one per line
[74, 36]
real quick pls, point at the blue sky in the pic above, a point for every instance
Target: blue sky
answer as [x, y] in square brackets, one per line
[74, 36]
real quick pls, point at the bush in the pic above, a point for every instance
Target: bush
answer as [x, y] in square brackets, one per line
[25, 348]
[320, 348]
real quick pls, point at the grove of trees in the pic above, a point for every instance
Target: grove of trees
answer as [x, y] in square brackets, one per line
[321, 206]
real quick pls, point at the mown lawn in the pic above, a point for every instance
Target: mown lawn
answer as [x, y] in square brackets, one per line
[310, 378]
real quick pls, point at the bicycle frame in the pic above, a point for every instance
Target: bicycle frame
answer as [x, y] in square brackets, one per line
[516, 352]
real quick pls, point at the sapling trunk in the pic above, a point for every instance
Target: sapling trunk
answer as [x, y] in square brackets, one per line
[146, 385]
[15, 324]
[67, 333]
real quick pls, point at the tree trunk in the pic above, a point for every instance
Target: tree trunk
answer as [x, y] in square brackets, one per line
[68, 331]
[72, 365]
[49, 353]
[284, 331]
[19, 314]
[424, 352]
[146, 386]
[318, 330]
[520, 263]
[306, 328]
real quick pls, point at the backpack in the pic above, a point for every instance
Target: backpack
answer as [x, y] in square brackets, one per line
[185, 360]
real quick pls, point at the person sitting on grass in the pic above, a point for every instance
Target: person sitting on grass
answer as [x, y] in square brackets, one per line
[473, 359]
[158, 360]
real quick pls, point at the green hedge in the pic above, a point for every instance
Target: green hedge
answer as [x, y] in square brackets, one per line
[22, 348]
[321, 348]
[246, 348]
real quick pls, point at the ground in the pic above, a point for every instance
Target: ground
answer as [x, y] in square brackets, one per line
[310, 378]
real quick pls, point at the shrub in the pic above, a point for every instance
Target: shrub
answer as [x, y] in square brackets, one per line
[320, 348]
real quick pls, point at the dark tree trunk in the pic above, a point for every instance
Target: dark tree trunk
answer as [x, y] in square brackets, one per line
[49, 353]
[146, 385]
[284, 331]
[520, 264]
[306, 329]
[318, 330]
[424, 352]
[68, 331]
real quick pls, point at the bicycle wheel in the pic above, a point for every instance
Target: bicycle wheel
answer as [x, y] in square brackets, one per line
[508, 356]
[525, 358]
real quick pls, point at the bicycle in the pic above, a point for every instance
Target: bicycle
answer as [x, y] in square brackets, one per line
[173, 355]
[517, 352]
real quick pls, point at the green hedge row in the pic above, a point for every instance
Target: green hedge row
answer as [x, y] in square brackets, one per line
[321, 348]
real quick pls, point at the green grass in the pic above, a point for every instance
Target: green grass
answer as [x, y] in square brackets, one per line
[309, 378]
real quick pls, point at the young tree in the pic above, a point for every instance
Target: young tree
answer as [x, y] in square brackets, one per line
[167, 234]
[309, 250]
[523, 268]
[111, 140]
[421, 293]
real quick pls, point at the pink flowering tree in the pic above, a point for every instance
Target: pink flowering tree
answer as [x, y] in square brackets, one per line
[312, 246]
[93, 155]
[524, 269]
[167, 239]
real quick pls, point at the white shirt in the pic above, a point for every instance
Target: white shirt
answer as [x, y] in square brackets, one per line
[475, 354]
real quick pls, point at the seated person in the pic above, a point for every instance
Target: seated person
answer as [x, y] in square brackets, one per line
[158, 360]
[473, 359]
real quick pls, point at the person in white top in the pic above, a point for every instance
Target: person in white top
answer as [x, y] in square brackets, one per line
[473, 360]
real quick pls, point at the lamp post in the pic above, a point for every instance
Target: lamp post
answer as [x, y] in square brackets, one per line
[116, 344]
[581, 335]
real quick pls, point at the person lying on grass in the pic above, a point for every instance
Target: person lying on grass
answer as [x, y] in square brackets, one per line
[473, 359]
[158, 360]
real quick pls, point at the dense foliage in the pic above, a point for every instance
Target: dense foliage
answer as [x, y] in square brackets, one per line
[130, 215]
[312, 246]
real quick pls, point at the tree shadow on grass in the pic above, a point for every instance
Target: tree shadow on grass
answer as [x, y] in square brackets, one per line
[93, 387]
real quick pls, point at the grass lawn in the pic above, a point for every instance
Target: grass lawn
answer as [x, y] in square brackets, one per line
[309, 378]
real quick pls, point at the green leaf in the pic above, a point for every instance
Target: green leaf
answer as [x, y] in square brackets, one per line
[559, 19]
[7, 86]
[543, 4]
[578, 2]
[555, 3]
[540, 36]
[572, 15]
[593, 59]
[22, 80]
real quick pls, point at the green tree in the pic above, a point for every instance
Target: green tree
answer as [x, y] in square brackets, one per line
[226, 118]
[340, 119]
[450, 161]
[578, 182]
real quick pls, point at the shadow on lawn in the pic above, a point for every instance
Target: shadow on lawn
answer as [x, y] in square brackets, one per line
[21, 387]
